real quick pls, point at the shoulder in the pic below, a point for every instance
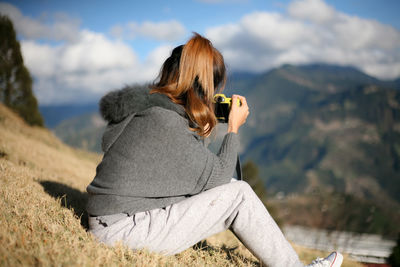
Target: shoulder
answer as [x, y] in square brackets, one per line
[164, 118]
[160, 113]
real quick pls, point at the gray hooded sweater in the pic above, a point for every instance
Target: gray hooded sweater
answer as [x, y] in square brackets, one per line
[151, 157]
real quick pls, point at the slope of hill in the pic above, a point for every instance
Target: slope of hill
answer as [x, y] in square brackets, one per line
[42, 183]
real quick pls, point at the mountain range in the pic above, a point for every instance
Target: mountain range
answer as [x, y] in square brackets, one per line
[326, 121]
[313, 130]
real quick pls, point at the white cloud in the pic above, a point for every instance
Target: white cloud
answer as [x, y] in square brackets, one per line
[117, 31]
[36, 55]
[167, 31]
[314, 10]
[155, 60]
[60, 27]
[95, 53]
[162, 31]
[310, 31]
[87, 68]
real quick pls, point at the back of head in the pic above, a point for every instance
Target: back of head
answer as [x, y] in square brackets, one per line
[190, 77]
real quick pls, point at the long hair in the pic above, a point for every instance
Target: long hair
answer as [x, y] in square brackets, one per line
[190, 77]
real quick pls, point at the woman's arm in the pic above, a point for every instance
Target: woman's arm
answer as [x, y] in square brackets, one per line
[238, 114]
[225, 160]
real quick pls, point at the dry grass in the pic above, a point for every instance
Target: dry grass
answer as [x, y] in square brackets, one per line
[42, 185]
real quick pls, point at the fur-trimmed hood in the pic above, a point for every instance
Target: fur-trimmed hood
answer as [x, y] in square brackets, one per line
[117, 105]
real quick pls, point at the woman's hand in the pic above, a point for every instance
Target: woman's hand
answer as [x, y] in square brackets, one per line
[238, 114]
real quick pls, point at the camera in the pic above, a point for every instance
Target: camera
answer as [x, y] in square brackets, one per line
[223, 107]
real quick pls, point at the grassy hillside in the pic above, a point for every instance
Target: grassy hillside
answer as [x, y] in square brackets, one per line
[42, 185]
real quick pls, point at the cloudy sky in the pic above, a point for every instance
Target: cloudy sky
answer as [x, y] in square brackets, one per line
[78, 50]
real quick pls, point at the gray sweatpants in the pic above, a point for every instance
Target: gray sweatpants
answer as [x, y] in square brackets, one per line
[177, 227]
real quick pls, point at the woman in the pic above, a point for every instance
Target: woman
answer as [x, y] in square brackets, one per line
[158, 187]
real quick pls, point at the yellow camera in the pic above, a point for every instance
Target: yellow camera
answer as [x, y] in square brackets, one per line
[223, 107]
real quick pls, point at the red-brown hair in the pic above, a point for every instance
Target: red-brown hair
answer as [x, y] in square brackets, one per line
[190, 77]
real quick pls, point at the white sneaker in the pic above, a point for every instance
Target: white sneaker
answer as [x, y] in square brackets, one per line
[335, 259]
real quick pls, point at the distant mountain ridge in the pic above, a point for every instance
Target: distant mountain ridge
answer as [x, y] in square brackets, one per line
[290, 103]
[55, 114]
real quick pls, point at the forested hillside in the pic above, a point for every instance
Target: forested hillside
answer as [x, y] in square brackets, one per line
[15, 79]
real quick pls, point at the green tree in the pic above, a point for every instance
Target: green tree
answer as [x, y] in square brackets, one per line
[15, 79]
[252, 177]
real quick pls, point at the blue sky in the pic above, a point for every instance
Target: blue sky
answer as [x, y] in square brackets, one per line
[78, 50]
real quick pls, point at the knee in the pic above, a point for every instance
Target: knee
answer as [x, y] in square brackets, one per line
[236, 190]
[243, 187]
